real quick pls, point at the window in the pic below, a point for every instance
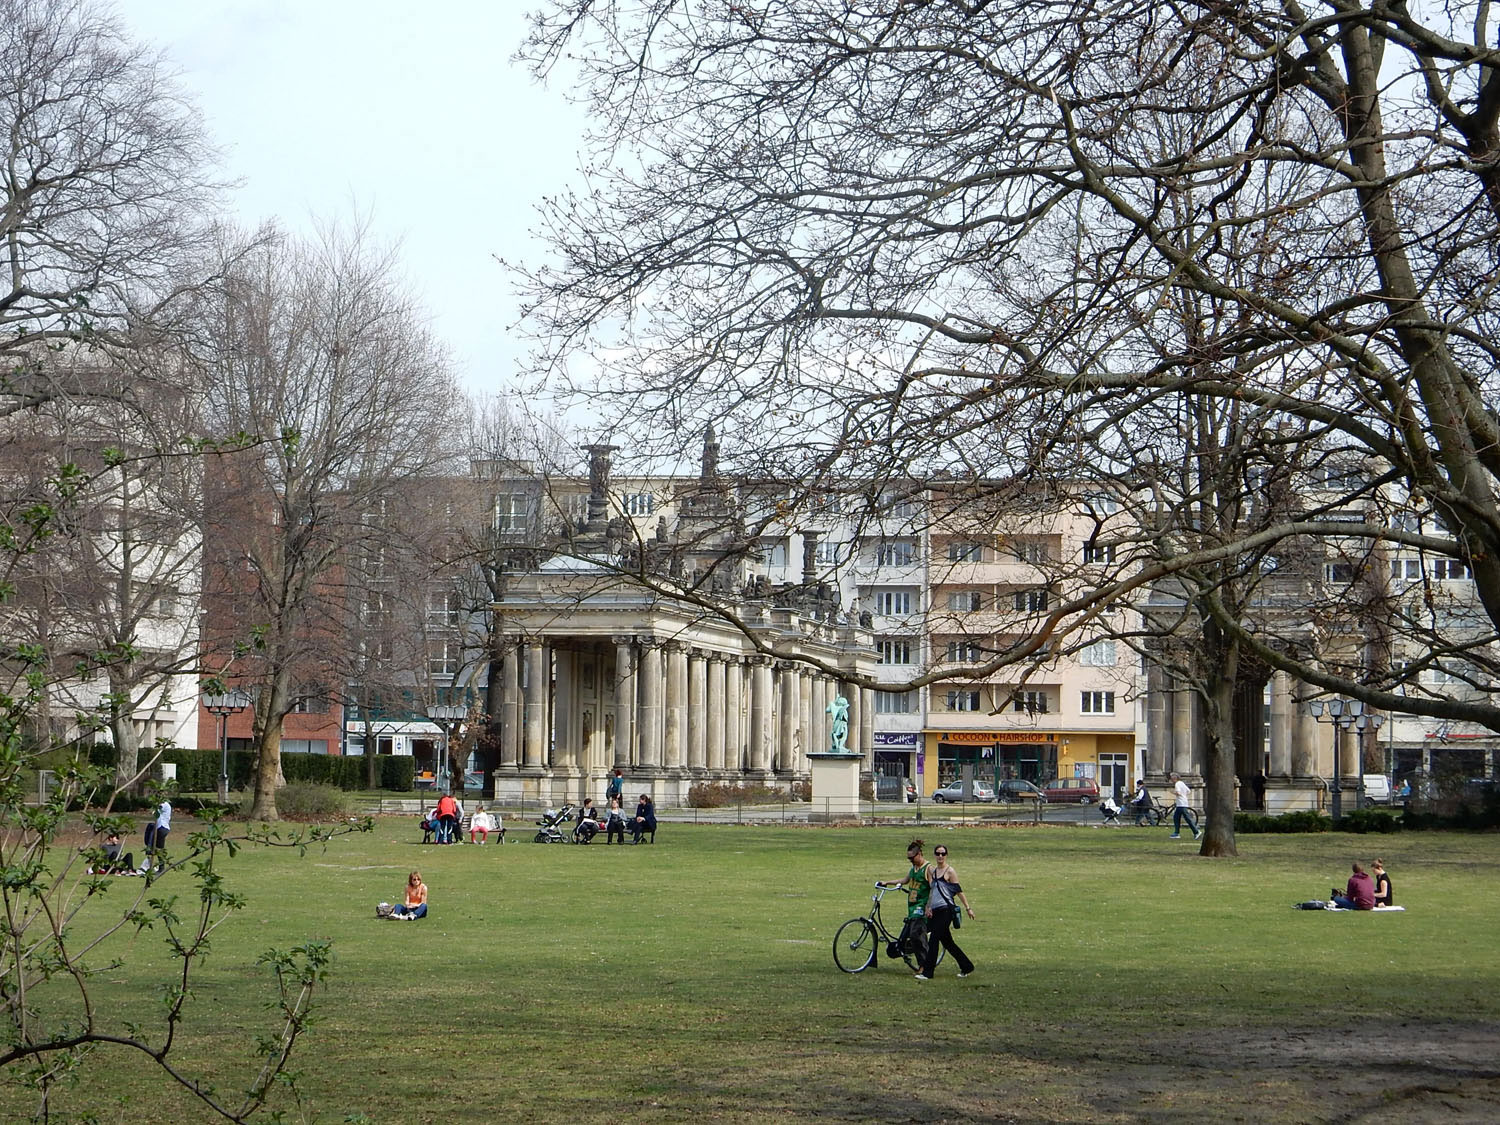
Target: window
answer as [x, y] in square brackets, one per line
[893, 603]
[1031, 550]
[964, 652]
[1438, 674]
[774, 551]
[1100, 654]
[310, 703]
[1340, 573]
[1030, 702]
[893, 702]
[831, 503]
[897, 552]
[965, 600]
[1103, 505]
[964, 551]
[1340, 476]
[1405, 521]
[1098, 552]
[963, 701]
[829, 552]
[1406, 570]
[1031, 601]
[638, 504]
[895, 651]
[1098, 703]
[377, 610]
[443, 608]
[376, 562]
[160, 603]
[304, 745]
[897, 506]
[510, 512]
[1449, 569]
[443, 657]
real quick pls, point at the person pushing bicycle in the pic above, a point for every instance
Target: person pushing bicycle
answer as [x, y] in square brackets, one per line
[918, 886]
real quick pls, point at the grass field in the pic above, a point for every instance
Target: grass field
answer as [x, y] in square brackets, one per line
[1120, 978]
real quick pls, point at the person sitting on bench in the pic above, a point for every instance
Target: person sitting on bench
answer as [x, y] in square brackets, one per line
[588, 822]
[644, 820]
[481, 824]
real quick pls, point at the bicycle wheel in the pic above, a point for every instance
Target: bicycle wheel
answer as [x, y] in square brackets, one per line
[915, 946]
[854, 945]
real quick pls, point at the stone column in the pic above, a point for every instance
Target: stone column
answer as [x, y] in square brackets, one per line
[791, 712]
[675, 715]
[649, 709]
[565, 710]
[714, 718]
[734, 719]
[536, 705]
[625, 685]
[1283, 715]
[510, 705]
[1158, 725]
[866, 718]
[761, 734]
[1305, 737]
[1182, 731]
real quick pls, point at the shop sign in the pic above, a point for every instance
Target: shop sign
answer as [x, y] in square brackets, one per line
[983, 736]
[905, 739]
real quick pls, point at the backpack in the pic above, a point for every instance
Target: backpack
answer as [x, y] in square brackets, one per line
[384, 910]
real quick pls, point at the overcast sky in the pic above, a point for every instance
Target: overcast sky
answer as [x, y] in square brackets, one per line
[410, 113]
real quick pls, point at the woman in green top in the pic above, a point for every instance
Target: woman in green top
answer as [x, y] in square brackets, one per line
[918, 885]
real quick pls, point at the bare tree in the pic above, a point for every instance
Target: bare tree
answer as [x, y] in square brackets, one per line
[103, 194]
[902, 238]
[317, 343]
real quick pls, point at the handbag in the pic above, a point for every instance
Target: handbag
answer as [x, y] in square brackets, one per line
[384, 910]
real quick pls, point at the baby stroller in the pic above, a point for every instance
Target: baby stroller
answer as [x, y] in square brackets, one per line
[548, 828]
[1110, 811]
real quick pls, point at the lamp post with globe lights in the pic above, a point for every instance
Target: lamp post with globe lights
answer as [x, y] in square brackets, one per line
[221, 705]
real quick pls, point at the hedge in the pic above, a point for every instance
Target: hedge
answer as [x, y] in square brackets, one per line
[198, 770]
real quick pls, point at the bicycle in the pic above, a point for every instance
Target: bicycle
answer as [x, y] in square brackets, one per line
[859, 940]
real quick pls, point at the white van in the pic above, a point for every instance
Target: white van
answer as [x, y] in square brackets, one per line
[1377, 790]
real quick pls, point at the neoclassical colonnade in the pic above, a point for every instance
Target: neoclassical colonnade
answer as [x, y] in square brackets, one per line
[680, 703]
[1299, 751]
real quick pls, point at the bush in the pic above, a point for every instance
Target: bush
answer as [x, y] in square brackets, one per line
[718, 795]
[1306, 820]
[306, 801]
[198, 770]
[1370, 820]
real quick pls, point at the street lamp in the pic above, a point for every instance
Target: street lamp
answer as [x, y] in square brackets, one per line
[1345, 715]
[446, 715]
[222, 706]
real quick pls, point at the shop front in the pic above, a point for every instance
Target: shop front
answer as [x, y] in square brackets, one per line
[1030, 755]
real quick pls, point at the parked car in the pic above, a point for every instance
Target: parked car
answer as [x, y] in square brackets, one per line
[1015, 789]
[953, 792]
[1377, 790]
[1078, 790]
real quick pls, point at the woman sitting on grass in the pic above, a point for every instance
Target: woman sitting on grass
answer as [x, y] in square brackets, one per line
[415, 905]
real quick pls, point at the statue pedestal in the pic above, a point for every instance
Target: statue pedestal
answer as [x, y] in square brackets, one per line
[835, 787]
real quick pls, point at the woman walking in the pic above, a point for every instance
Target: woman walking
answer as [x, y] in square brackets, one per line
[942, 911]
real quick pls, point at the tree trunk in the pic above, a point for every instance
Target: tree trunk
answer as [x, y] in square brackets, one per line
[127, 749]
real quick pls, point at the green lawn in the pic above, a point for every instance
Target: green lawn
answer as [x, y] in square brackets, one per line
[1120, 978]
